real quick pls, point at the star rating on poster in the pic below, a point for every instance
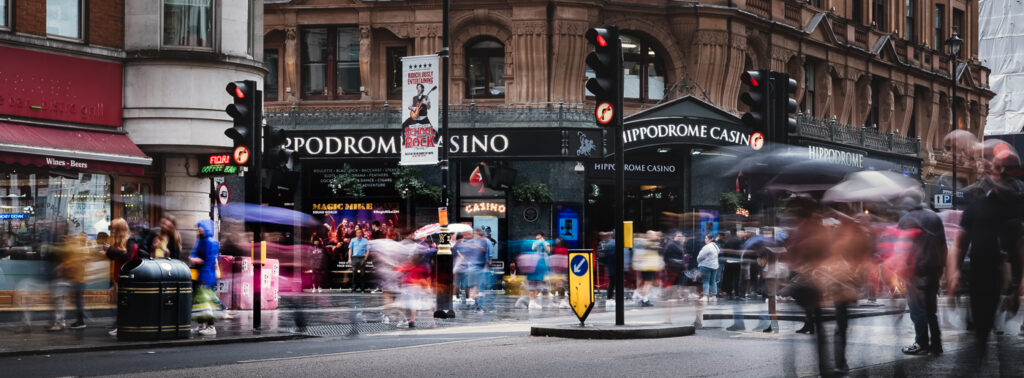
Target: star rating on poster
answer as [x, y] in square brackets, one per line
[422, 66]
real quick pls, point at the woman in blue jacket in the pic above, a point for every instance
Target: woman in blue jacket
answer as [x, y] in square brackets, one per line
[204, 258]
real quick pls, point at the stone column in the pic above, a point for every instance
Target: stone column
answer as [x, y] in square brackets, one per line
[365, 56]
[528, 52]
[185, 196]
[568, 67]
[712, 49]
[291, 62]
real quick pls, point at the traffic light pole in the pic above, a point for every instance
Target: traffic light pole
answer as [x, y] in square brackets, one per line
[444, 264]
[257, 227]
[620, 185]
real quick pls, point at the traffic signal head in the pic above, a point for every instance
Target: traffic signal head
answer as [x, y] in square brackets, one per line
[606, 62]
[276, 155]
[787, 104]
[243, 112]
[756, 96]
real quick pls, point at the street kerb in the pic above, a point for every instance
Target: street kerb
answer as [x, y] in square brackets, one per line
[64, 349]
[612, 332]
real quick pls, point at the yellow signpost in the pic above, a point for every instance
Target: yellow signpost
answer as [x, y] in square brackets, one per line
[581, 283]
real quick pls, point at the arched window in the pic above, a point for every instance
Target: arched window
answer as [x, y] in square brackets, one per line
[644, 70]
[485, 69]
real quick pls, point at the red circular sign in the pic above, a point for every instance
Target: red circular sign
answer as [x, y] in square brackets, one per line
[605, 112]
[241, 155]
[756, 140]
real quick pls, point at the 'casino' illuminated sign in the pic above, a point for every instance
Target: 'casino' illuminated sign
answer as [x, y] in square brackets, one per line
[492, 207]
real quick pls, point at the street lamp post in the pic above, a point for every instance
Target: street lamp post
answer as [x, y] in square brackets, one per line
[954, 44]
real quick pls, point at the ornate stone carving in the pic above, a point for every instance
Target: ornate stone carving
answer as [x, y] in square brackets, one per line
[291, 33]
[711, 37]
[530, 28]
[571, 27]
[399, 30]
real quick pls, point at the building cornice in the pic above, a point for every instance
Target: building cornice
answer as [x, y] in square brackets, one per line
[62, 47]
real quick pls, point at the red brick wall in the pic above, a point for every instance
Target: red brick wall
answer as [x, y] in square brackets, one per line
[106, 23]
[30, 17]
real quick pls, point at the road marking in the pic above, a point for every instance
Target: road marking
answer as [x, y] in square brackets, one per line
[369, 350]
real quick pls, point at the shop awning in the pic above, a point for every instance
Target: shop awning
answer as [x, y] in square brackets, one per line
[70, 149]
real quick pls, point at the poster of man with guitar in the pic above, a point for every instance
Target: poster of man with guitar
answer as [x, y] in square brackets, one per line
[419, 131]
[420, 106]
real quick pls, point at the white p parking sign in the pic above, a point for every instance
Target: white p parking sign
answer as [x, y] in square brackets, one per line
[943, 201]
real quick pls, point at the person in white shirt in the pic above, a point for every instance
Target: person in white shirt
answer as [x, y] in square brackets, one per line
[707, 262]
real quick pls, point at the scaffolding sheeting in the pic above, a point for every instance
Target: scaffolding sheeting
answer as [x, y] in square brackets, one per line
[1001, 49]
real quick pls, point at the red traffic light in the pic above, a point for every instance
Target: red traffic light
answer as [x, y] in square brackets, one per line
[751, 78]
[599, 36]
[237, 89]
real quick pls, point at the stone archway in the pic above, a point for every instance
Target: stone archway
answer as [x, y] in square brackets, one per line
[469, 27]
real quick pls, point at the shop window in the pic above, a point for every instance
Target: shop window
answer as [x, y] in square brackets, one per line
[644, 70]
[188, 23]
[135, 200]
[64, 18]
[270, 84]
[485, 69]
[330, 63]
[394, 62]
[3, 14]
[38, 208]
[910, 25]
[940, 29]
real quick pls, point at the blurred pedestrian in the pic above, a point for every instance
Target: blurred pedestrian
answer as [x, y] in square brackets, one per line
[842, 273]
[648, 262]
[925, 263]
[468, 254]
[534, 263]
[707, 262]
[204, 258]
[167, 242]
[990, 229]
[121, 250]
[560, 271]
[70, 277]
[673, 256]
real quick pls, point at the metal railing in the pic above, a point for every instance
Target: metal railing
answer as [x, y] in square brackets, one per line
[558, 114]
[865, 137]
[553, 114]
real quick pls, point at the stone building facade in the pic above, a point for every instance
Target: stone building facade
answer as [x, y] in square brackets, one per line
[880, 64]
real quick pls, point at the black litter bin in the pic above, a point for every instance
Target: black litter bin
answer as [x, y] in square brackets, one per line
[154, 300]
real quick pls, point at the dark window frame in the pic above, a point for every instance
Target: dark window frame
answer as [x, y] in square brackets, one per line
[6, 19]
[910, 22]
[268, 94]
[82, 18]
[940, 27]
[331, 61]
[878, 8]
[393, 76]
[485, 54]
